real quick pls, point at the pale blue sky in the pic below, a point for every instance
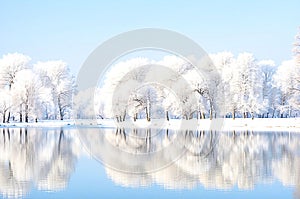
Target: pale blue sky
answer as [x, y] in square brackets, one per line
[70, 30]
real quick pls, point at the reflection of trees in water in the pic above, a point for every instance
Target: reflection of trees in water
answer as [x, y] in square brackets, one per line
[34, 156]
[286, 166]
[46, 158]
[212, 159]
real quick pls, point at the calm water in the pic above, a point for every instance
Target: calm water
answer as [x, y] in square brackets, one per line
[115, 163]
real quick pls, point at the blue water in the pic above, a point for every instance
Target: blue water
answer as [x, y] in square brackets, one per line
[56, 163]
[90, 181]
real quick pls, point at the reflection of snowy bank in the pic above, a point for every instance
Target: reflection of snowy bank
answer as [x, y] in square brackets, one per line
[210, 159]
[44, 158]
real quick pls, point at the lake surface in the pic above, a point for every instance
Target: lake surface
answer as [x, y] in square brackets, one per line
[147, 163]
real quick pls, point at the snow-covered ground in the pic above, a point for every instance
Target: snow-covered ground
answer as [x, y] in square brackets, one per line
[42, 123]
[227, 124]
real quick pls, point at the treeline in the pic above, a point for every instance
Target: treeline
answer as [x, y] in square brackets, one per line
[243, 87]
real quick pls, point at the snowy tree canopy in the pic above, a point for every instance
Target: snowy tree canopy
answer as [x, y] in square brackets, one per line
[29, 93]
[140, 88]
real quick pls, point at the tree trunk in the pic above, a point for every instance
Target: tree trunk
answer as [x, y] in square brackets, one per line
[21, 116]
[61, 114]
[186, 117]
[148, 108]
[273, 114]
[210, 114]
[147, 114]
[8, 117]
[202, 115]
[167, 115]
[191, 116]
[233, 114]
[26, 112]
[245, 115]
[3, 119]
[46, 113]
[124, 116]
[252, 115]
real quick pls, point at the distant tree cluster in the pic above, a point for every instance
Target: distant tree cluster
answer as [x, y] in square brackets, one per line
[245, 87]
[31, 92]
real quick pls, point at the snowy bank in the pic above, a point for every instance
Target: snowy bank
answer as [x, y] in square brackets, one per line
[224, 124]
[41, 123]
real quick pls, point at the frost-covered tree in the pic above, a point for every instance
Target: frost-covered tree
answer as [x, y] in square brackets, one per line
[283, 80]
[143, 102]
[296, 49]
[120, 81]
[82, 107]
[249, 85]
[10, 65]
[225, 64]
[170, 103]
[241, 83]
[295, 87]
[187, 85]
[268, 69]
[196, 88]
[287, 80]
[57, 78]
[5, 103]
[26, 91]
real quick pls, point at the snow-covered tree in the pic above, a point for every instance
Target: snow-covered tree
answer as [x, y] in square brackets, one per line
[268, 69]
[241, 83]
[187, 85]
[170, 103]
[296, 49]
[10, 65]
[82, 107]
[118, 83]
[56, 76]
[5, 103]
[26, 91]
[295, 87]
[250, 86]
[225, 64]
[283, 80]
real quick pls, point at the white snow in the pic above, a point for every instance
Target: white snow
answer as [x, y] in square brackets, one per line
[226, 124]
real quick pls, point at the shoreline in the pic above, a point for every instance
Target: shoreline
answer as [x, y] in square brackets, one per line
[222, 124]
